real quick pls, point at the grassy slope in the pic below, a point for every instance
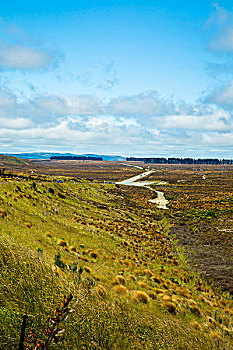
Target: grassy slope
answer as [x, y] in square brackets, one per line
[109, 232]
[10, 161]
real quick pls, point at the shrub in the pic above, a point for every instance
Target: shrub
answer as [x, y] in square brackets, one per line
[58, 262]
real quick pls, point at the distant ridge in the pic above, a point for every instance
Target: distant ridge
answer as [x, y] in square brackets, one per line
[47, 155]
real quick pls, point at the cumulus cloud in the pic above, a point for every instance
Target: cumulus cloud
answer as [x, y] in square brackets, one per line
[122, 125]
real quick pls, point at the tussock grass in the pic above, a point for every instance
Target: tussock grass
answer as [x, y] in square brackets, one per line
[132, 254]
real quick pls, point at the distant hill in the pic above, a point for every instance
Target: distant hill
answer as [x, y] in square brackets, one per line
[47, 155]
[11, 161]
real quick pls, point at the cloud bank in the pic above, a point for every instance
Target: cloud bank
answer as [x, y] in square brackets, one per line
[129, 125]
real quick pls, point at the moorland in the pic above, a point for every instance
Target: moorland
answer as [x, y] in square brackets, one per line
[94, 265]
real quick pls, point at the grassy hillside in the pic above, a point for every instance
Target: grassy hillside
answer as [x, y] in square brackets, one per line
[113, 252]
[9, 161]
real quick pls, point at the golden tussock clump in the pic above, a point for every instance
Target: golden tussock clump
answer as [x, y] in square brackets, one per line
[227, 330]
[28, 224]
[215, 335]
[48, 234]
[141, 297]
[152, 294]
[166, 298]
[93, 255]
[120, 289]
[195, 325]
[119, 280]
[170, 306]
[87, 269]
[96, 277]
[160, 291]
[142, 284]
[138, 272]
[175, 299]
[192, 302]
[132, 277]
[84, 259]
[100, 291]
[228, 311]
[195, 310]
[73, 249]
[3, 213]
[58, 271]
[156, 279]
[148, 272]
[62, 243]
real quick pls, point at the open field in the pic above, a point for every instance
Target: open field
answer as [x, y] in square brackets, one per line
[117, 255]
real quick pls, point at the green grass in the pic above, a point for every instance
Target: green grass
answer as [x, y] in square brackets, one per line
[113, 233]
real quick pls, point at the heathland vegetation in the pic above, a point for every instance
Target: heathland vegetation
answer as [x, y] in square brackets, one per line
[94, 265]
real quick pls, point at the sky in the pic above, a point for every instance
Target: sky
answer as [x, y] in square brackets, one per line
[132, 78]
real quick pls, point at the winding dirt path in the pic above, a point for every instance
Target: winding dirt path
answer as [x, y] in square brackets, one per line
[161, 202]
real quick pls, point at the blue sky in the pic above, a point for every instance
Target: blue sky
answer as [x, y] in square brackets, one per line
[117, 77]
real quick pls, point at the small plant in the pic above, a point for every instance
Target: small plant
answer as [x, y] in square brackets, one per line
[58, 262]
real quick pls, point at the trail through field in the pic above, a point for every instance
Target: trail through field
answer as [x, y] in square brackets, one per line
[161, 202]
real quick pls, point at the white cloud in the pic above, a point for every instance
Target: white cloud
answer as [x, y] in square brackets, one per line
[219, 139]
[24, 58]
[222, 97]
[218, 121]
[18, 123]
[144, 104]
[221, 21]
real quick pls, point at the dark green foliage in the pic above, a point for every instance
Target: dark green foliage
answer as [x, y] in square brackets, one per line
[58, 262]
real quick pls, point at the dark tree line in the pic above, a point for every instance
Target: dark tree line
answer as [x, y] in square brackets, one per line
[181, 160]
